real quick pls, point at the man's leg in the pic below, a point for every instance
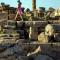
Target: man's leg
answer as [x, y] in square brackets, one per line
[16, 15]
[21, 17]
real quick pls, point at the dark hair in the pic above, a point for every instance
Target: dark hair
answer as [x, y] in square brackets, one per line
[19, 2]
[49, 22]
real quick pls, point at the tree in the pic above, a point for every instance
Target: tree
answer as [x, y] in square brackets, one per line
[27, 10]
[7, 7]
[41, 12]
[2, 4]
[42, 8]
[51, 9]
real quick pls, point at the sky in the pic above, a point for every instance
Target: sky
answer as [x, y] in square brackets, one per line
[39, 3]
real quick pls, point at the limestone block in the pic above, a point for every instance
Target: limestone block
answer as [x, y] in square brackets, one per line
[12, 50]
[43, 57]
[3, 15]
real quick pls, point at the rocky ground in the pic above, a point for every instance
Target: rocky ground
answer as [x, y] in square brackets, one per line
[19, 51]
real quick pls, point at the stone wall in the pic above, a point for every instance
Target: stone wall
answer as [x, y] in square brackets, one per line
[3, 16]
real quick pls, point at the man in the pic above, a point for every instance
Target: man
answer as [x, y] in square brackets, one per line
[48, 35]
[19, 10]
[49, 31]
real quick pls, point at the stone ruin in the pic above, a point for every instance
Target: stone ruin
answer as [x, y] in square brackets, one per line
[12, 46]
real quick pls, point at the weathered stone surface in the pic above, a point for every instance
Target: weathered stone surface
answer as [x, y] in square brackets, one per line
[13, 58]
[3, 15]
[43, 57]
[12, 50]
[57, 37]
[19, 51]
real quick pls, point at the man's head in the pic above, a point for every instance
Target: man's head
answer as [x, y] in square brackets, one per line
[19, 2]
[49, 30]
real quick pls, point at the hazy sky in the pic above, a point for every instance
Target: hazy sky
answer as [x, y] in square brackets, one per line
[39, 3]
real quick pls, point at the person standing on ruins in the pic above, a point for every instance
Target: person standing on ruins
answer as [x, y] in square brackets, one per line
[19, 10]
